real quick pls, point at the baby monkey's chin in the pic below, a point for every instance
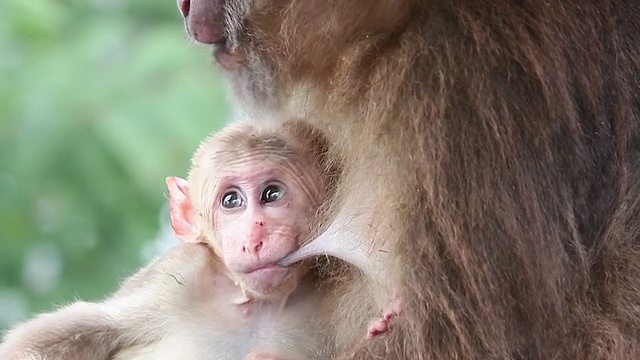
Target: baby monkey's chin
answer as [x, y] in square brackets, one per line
[269, 282]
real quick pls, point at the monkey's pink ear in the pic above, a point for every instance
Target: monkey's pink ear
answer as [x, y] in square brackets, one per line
[181, 212]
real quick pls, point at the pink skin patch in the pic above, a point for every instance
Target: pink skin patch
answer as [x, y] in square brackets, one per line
[381, 325]
[254, 355]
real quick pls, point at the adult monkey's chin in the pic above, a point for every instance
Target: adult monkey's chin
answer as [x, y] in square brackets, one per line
[216, 22]
[229, 59]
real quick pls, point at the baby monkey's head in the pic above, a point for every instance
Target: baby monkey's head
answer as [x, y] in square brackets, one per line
[253, 195]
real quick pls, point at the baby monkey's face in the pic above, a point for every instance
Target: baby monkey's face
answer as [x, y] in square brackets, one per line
[262, 211]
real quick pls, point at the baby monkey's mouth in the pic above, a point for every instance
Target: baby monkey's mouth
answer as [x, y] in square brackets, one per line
[267, 278]
[287, 260]
[264, 267]
[259, 267]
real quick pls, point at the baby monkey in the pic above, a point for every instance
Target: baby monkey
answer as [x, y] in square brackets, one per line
[252, 197]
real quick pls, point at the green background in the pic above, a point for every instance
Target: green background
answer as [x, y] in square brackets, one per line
[100, 100]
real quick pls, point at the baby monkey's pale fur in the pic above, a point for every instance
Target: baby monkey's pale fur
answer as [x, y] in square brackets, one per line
[204, 299]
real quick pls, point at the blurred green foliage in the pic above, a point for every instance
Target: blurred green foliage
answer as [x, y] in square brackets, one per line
[100, 100]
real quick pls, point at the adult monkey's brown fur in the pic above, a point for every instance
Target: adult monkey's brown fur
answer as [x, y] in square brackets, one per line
[505, 138]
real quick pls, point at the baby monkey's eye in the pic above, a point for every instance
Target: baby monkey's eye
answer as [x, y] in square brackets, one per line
[271, 193]
[231, 200]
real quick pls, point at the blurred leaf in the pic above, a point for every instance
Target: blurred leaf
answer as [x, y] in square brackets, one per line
[34, 21]
[100, 100]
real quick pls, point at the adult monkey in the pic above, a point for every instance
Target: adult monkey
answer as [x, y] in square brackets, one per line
[501, 141]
